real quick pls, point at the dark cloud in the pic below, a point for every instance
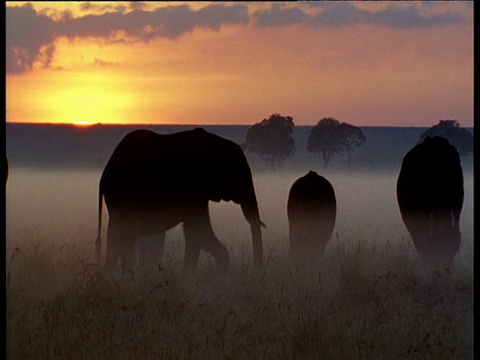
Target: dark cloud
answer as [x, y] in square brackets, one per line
[31, 35]
[410, 17]
[339, 14]
[29, 38]
[278, 16]
[169, 22]
[430, 3]
[137, 5]
[215, 15]
[345, 13]
[91, 6]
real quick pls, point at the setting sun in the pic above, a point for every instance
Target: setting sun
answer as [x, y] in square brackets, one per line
[94, 98]
[83, 123]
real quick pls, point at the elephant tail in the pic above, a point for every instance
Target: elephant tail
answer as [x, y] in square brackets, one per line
[98, 241]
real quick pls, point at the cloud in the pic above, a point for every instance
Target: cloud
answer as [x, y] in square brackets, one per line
[137, 5]
[430, 3]
[30, 35]
[89, 6]
[29, 38]
[339, 14]
[277, 16]
[167, 22]
[345, 13]
[410, 17]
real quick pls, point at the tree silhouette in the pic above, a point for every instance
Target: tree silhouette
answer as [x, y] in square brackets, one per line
[351, 136]
[461, 138]
[330, 137]
[271, 140]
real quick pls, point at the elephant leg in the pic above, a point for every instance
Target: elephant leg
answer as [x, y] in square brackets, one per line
[192, 253]
[446, 236]
[295, 234]
[150, 251]
[302, 240]
[199, 235]
[120, 241]
[219, 251]
[323, 234]
[418, 225]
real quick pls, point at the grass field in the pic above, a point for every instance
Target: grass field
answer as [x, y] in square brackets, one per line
[368, 298]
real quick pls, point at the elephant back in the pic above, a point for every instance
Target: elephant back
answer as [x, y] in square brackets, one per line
[431, 176]
[311, 192]
[311, 210]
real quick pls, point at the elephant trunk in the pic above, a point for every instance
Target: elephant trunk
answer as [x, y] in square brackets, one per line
[257, 243]
[250, 211]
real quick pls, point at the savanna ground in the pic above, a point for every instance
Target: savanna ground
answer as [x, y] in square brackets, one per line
[368, 298]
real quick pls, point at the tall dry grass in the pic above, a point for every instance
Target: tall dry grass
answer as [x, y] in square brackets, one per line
[360, 303]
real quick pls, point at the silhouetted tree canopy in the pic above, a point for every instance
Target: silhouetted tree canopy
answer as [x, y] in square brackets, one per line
[461, 138]
[330, 137]
[271, 139]
[351, 136]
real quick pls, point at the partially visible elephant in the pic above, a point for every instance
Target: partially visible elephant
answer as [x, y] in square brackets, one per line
[6, 169]
[430, 197]
[311, 209]
[153, 182]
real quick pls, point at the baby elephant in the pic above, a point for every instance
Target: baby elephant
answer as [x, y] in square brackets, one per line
[311, 212]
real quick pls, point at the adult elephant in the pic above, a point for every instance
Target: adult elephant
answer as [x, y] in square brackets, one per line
[311, 210]
[430, 198]
[153, 182]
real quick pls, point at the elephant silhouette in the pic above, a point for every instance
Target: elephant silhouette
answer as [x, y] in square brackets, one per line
[430, 198]
[311, 210]
[153, 182]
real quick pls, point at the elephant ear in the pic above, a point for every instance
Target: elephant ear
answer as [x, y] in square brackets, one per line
[217, 190]
[220, 179]
[226, 171]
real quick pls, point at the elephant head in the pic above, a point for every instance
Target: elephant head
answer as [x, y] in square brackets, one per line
[229, 178]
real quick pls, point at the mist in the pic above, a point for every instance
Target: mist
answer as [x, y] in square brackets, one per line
[56, 204]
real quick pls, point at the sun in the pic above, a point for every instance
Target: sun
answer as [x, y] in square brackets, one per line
[82, 123]
[89, 98]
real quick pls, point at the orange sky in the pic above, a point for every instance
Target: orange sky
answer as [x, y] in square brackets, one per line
[366, 63]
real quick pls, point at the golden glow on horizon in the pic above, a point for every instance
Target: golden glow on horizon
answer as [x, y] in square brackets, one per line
[83, 123]
[82, 105]
[88, 97]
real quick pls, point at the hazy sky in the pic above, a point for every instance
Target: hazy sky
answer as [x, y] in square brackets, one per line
[401, 63]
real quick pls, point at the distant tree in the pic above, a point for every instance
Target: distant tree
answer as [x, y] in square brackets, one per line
[461, 138]
[330, 137]
[351, 136]
[271, 140]
[323, 139]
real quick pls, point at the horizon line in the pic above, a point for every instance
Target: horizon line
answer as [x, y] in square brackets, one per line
[187, 124]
